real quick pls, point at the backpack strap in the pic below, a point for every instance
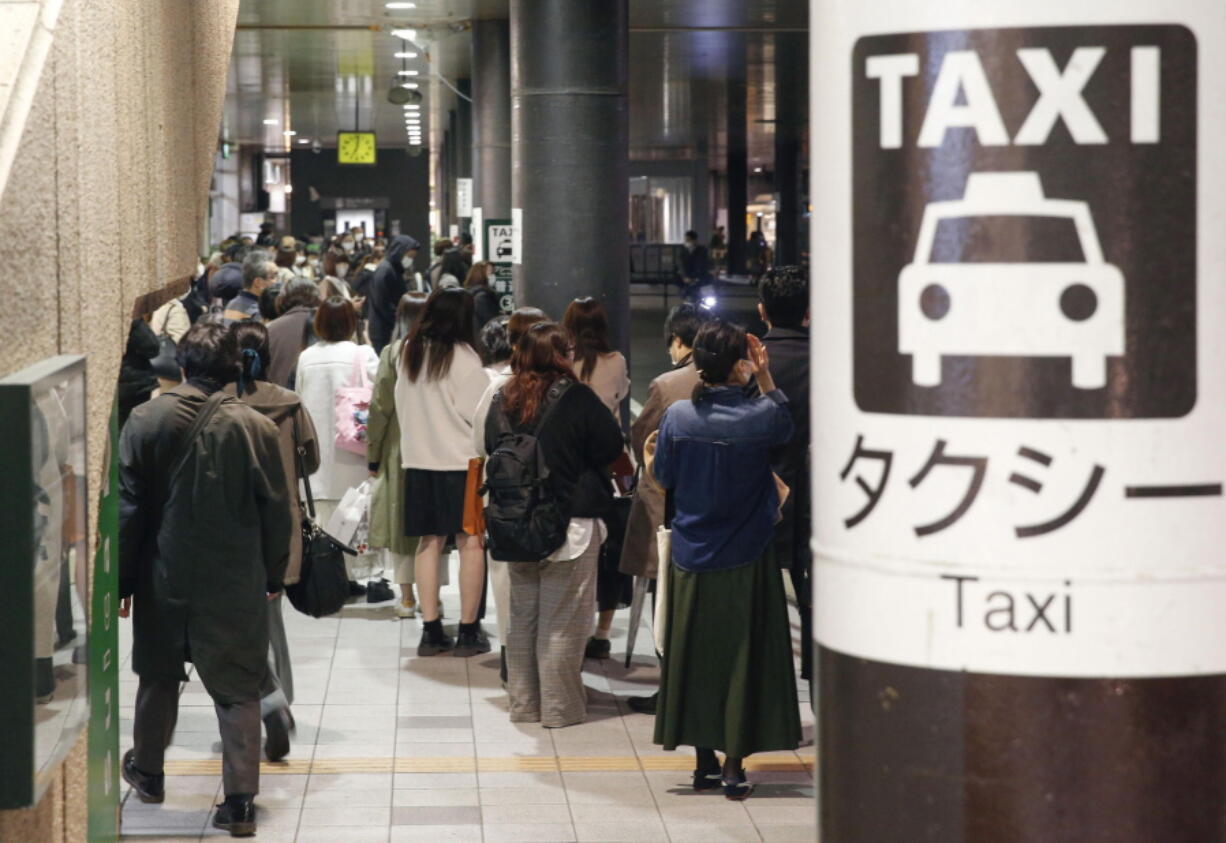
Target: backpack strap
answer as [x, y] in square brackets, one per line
[203, 415]
[553, 397]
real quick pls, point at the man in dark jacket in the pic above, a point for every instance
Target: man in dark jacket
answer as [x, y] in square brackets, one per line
[695, 265]
[784, 307]
[204, 534]
[386, 288]
[291, 332]
[259, 273]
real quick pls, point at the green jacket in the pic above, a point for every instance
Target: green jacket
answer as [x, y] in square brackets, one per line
[383, 450]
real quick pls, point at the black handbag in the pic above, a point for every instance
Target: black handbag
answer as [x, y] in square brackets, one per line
[323, 584]
[166, 364]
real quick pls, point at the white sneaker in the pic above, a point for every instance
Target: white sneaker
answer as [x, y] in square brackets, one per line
[407, 612]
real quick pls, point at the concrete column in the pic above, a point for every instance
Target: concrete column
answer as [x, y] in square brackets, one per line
[569, 140]
[738, 153]
[791, 51]
[1018, 567]
[492, 118]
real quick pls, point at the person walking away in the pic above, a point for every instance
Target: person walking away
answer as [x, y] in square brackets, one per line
[640, 554]
[604, 371]
[487, 304]
[439, 382]
[387, 285]
[292, 331]
[295, 433]
[334, 361]
[259, 272]
[384, 462]
[727, 682]
[498, 365]
[552, 601]
[695, 266]
[201, 490]
[784, 307]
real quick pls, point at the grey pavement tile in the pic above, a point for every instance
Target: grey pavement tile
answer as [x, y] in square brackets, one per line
[641, 808]
[344, 816]
[789, 833]
[515, 814]
[763, 813]
[420, 797]
[435, 781]
[436, 815]
[518, 779]
[711, 833]
[436, 833]
[348, 781]
[621, 832]
[352, 834]
[534, 832]
[534, 795]
[435, 722]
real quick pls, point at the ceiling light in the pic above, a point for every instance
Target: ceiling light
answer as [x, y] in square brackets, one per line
[289, 188]
[407, 73]
[289, 133]
[304, 140]
[271, 122]
[406, 34]
[412, 86]
[401, 5]
[404, 55]
[412, 106]
[757, 169]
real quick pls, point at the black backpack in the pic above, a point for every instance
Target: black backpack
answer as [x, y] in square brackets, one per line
[524, 519]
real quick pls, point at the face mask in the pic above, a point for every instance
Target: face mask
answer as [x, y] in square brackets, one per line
[342, 269]
[406, 262]
[347, 245]
[313, 262]
[371, 266]
[300, 260]
[689, 245]
[359, 236]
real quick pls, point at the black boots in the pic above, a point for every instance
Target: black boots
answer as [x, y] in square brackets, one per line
[276, 730]
[471, 640]
[433, 639]
[148, 788]
[597, 648]
[236, 815]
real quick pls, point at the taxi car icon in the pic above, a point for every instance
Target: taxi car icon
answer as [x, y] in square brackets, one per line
[1005, 271]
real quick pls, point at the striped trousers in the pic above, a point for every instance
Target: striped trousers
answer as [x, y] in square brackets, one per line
[552, 604]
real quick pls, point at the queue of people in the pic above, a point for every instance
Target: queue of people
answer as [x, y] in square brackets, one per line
[497, 435]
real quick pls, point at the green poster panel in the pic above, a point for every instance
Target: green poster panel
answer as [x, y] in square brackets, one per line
[104, 783]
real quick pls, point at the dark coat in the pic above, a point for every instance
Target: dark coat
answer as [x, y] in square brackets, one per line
[199, 552]
[789, 363]
[136, 379]
[288, 335]
[639, 555]
[386, 288]
[487, 304]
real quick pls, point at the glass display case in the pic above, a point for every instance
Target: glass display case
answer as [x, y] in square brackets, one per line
[44, 576]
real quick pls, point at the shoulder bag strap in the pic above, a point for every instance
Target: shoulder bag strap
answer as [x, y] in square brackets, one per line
[202, 418]
[299, 453]
[554, 397]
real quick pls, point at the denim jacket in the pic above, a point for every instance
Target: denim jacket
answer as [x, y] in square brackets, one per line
[714, 456]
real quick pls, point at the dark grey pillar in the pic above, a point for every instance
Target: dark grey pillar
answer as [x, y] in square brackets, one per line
[453, 156]
[569, 131]
[738, 154]
[791, 54]
[492, 118]
[464, 143]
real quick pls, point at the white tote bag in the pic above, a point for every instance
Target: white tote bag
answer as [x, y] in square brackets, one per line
[350, 522]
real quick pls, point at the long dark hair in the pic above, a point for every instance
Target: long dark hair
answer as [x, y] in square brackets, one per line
[446, 322]
[539, 360]
[254, 354]
[588, 324]
[718, 347]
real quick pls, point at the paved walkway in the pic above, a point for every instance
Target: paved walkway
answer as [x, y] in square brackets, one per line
[391, 747]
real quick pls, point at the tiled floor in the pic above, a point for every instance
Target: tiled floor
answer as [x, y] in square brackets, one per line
[391, 747]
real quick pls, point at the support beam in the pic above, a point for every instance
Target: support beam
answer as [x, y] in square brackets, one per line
[569, 142]
[492, 118]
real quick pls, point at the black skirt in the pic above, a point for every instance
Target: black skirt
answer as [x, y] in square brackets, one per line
[433, 502]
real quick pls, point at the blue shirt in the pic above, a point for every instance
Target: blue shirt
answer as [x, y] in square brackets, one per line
[715, 458]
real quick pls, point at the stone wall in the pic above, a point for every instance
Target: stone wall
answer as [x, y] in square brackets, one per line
[106, 201]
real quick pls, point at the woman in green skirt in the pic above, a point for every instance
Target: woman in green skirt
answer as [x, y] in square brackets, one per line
[728, 682]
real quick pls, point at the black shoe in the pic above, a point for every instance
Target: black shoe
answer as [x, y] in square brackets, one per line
[709, 779]
[737, 789]
[44, 680]
[379, 591]
[502, 666]
[276, 729]
[433, 639]
[643, 705]
[597, 648]
[236, 815]
[356, 589]
[471, 641]
[148, 788]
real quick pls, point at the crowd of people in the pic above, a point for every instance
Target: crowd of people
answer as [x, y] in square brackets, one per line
[499, 436]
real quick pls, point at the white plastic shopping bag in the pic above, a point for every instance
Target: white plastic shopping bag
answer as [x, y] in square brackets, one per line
[664, 544]
[350, 523]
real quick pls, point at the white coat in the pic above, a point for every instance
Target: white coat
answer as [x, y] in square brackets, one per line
[322, 369]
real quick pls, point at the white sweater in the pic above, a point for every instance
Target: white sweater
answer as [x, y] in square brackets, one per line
[436, 417]
[322, 369]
